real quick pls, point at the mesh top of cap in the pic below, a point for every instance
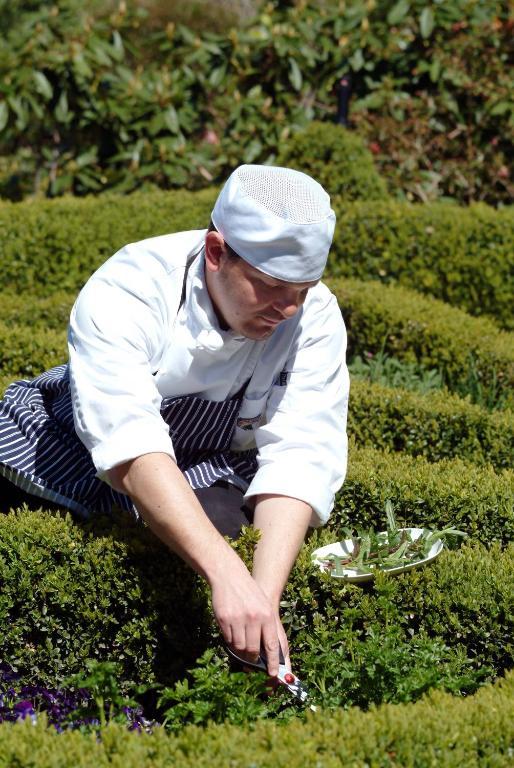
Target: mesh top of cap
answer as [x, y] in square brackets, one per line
[286, 193]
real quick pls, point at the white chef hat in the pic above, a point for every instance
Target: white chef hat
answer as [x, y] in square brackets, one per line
[278, 220]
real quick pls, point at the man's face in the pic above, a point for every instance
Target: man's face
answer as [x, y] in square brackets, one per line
[248, 301]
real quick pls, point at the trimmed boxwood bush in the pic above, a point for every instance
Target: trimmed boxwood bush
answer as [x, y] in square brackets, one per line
[436, 425]
[71, 591]
[464, 598]
[441, 730]
[414, 328]
[25, 352]
[337, 158]
[48, 246]
[471, 353]
[450, 492]
[462, 256]
[37, 312]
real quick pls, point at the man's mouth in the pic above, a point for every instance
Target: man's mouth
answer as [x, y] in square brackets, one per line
[271, 320]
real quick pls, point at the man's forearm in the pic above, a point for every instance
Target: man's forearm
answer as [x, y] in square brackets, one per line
[171, 509]
[283, 522]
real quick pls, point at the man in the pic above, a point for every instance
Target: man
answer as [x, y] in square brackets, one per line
[206, 382]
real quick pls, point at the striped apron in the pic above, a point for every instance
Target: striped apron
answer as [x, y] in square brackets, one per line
[41, 453]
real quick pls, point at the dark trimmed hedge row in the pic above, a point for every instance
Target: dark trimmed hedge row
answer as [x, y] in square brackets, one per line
[436, 425]
[72, 591]
[477, 500]
[415, 328]
[463, 256]
[441, 730]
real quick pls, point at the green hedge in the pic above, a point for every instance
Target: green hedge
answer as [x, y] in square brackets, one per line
[437, 425]
[451, 492]
[463, 256]
[72, 591]
[440, 730]
[405, 325]
[50, 246]
[25, 352]
[464, 599]
[38, 312]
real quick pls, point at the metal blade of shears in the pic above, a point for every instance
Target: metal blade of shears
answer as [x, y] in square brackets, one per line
[293, 683]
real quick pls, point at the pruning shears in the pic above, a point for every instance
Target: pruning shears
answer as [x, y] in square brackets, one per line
[293, 683]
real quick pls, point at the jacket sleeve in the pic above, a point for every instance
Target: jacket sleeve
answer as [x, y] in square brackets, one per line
[302, 444]
[117, 328]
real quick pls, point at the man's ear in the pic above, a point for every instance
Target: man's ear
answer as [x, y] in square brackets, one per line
[214, 251]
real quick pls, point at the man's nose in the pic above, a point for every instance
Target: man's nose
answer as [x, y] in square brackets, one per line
[287, 306]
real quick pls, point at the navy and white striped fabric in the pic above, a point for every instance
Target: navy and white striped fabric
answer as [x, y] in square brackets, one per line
[41, 453]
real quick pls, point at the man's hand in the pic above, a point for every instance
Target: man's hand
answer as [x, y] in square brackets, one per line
[247, 619]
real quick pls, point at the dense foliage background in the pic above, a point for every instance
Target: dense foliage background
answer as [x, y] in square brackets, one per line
[125, 96]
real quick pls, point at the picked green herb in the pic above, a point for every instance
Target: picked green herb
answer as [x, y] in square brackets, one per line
[393, 548]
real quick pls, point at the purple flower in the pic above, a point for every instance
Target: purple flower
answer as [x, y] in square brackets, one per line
[25, 709]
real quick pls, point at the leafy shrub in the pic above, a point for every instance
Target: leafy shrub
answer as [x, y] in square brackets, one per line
[437, 426]
[469, 352]
[53, 246]
[335, 157]
[450, 492]
[50, 312]
[415, 615]
[90, 103]
[482, 722]
[423, 144]
[72, 592]
[449, 731]
[109, 591]
[25, 353]
[463, 256]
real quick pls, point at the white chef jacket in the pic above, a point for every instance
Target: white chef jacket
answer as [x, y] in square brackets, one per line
[132, 343]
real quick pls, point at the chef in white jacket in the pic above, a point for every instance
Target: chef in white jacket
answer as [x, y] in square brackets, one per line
[204, 363]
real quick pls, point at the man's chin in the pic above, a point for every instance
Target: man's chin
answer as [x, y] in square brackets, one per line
[257, 333]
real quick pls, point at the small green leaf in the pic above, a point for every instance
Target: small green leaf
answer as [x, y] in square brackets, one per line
[501, 107]
[435, 70]
[4, 115]
[397, 12]
[61, 110]
[426, 22]
[118, 50]
[43, 85]
[357, 60]
[295, 75]
[217, 75]
[171, 120]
